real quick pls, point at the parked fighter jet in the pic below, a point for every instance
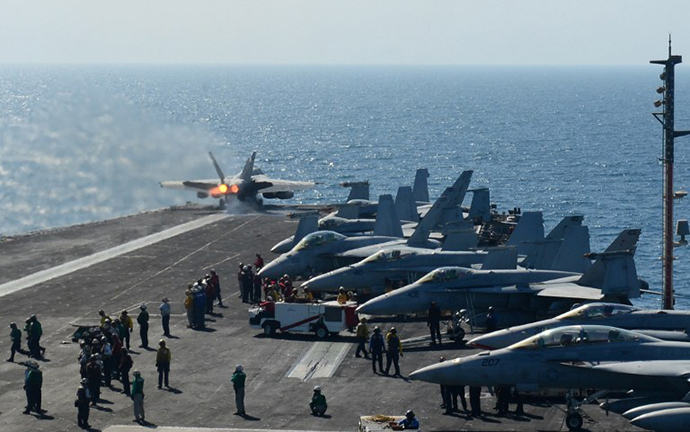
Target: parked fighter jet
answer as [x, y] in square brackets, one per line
[611, 314]
[613, 276]
[243, 186]
[324, 251]
[385, 269]
[574, 357]
[347, 219]
[317, 251]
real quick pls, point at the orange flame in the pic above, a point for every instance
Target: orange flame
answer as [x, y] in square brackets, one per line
[224, 189]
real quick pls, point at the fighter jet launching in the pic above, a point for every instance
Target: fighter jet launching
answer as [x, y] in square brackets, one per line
[663, 324]
[244, 186]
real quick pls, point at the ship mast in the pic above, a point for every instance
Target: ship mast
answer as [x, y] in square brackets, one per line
[666, 118]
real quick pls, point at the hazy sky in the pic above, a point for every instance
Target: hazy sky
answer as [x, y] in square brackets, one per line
[342, 32]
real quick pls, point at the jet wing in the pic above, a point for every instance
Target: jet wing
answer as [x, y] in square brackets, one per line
[508, 289]
[270, 185]
[569, 291]
[199, 185]
[560, 291]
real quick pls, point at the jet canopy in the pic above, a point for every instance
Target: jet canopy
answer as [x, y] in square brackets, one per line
[595, 311]
[446, 274]
[385, 256]
[318, 238]
[571, 336]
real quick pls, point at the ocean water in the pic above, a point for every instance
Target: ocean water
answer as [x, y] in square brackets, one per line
[80, 144]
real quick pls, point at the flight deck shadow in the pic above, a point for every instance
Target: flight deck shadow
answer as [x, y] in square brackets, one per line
[205, 329]
[101, 408]
[148, 424]
[438, 347]
[172, 390]
[309, 337]
[249, 417]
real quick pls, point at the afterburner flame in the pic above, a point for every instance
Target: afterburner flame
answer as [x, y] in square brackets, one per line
[224, 189]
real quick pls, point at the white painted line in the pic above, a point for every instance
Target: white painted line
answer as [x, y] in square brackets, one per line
[133, 428]
[320, 361]
[81, 263]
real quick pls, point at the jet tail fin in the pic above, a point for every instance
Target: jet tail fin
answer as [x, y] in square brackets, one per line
[307, 225]
[248, 169]
[358, 190]
[571, 255]
[562, 249]
[387, 221]
[460, 236]
[420, 190]
[502, 258]
[405, 204]
[614, 271]
[480, 209]
[451, 197]
[529, 229]
[217, 167]
[561, 230]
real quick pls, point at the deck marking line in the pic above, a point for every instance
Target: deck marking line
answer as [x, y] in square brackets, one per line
[81, 263]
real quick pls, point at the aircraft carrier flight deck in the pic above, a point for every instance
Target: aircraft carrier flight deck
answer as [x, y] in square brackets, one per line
[66, 275]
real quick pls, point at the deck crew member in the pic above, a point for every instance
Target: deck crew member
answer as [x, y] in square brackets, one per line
[434, 322]
[138, 397]
[82, 404]
[164, 309]
[318, 403]
[143, 321]
[163, 359]
[362, 336]
[16, 338]
[393, 352]
[376, 346]
[238, 379]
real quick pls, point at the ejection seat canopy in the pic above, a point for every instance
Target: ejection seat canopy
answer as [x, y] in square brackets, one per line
[446, 274]
[594, 311]
[317, 239]
[570, 336]
[386, 256]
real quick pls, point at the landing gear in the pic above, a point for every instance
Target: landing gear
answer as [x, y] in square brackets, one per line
[573, 418]
[574, 421]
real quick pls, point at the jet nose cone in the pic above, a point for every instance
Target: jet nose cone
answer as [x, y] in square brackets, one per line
[436, 374]
[481, 342]
[674, 419]
[320, 283]
[376, 306]
[283, 247]
[275, 269]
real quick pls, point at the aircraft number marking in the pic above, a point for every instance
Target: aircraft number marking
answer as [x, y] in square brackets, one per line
[413, 294]
[490, 362]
